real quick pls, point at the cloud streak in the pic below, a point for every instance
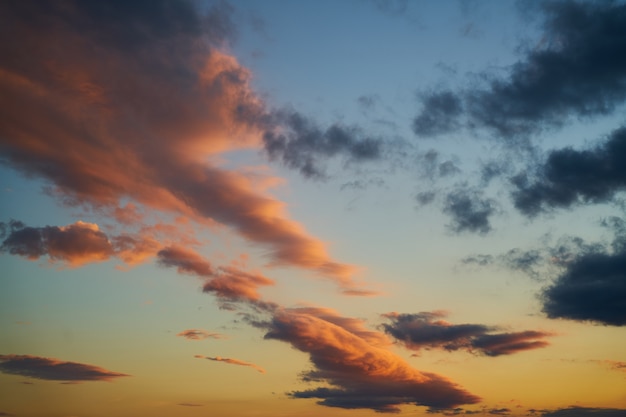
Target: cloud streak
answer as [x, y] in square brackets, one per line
[199, 334]
[54, 369]
[232, 362]
[428, 330]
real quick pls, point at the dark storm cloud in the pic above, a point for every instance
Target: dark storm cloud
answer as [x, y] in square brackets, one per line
[54, 369]
[304, 146]
[580, 72]
[570, 177]
[428, 330]
[592, 288]
[470, 211]
[584, 412]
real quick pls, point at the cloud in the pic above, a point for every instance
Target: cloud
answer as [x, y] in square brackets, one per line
[584, 412]
[470, 211]
[147, 125]
[75, 244]
[578, 71]
[185, 261]
[54, 369]
[231, 361]
[428, 330]
[301, 144]
[357, 372]
[199, 334]
[569, 177]
[592, 288]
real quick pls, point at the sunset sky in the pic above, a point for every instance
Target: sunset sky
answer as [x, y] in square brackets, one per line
[305, 208]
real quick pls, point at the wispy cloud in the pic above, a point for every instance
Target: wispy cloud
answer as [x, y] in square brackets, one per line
[199, 334]
[232, 362]
[428, 330]
[54, 369]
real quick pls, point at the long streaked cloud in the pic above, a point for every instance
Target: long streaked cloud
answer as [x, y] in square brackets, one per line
[199, 334]
[54, 369]
[576, 411]
[578, 71]
[428, 330]
[358, 372]
[146, 125]
[231, 361]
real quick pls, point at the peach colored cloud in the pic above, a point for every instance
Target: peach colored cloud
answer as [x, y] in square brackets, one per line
[199, 334]
[128, 114]
[54, 369]
[231, 361]
[357, 373]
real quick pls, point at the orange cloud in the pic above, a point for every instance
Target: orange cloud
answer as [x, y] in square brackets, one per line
[359, 374]
[232, 362]
[127, 115]
[54, 369]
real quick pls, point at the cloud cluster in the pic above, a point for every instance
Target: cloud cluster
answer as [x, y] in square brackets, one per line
[135, 106]
[579, 71]
[356, 370]
[576, 411]
[428, 330]
[231, 361]
[54, 369]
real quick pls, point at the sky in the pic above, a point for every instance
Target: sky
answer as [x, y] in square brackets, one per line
[290, 208]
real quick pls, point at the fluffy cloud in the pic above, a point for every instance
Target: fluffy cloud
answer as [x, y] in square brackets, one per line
[359, 373]
[54, 369]
[579, 71]
[428, 330]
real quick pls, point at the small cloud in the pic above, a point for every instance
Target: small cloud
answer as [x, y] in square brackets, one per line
[54, 369]
[231, 361]
[199, 334]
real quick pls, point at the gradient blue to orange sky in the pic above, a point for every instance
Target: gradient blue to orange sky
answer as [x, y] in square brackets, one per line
[292, 208]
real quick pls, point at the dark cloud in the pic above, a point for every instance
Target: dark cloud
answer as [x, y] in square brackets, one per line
[592, 288]
[428, 330]
[570, 177]
[580, 70]
[358, 374]
[585, 412]
[301, 144]
[54, 369]
[439, 114]
[470, 211]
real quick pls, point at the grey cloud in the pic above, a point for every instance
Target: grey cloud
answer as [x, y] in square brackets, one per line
[439, 114]
[304, 146]
[470, 211]
[584, 412]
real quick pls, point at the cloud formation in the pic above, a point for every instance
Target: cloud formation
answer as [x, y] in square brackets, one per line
[54, 369]
[300, 144]
[592, 288]
[428, 330]
[358, 372]
[231, 361]
[135, 106]
[569, 177]
[199, 334]
[75, 244]
[579, 71]
[470, 211]
[584, 412]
